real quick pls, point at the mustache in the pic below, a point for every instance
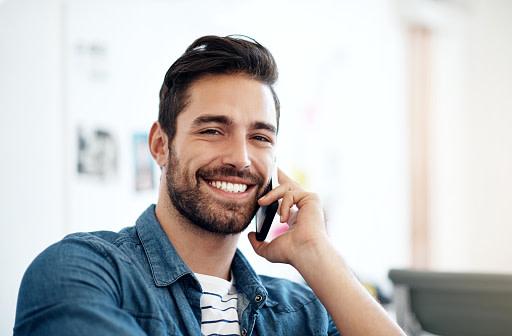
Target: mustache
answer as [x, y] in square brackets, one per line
[228, 171]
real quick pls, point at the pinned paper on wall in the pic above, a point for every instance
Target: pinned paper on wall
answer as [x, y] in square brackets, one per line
[97, 153]
[143, 163]
[91, 60]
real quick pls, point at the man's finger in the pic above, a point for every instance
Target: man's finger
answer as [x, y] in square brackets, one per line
[283, 178]
[258, 246]
[275, 194]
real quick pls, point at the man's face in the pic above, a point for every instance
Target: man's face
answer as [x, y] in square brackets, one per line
[222, 155]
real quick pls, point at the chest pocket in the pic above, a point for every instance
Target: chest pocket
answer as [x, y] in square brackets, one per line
[284, 321]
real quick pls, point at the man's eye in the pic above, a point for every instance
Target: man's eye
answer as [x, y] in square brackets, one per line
[210, 131]
[262, 138]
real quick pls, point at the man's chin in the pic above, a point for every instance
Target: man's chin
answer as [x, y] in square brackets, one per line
[231, 206]
[214, 211]
[229, 221]
[222, 228]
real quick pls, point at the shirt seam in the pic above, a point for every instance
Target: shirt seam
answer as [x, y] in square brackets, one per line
[96, 243]
[290, 309]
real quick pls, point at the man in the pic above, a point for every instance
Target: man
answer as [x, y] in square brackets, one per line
[178, 270]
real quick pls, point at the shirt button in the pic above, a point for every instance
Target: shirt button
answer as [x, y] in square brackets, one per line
[258, 298]
[244, 332]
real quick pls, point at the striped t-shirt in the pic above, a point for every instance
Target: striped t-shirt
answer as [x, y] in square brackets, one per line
[219, 315]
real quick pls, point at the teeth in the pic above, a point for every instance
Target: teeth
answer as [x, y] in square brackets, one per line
[228, 186]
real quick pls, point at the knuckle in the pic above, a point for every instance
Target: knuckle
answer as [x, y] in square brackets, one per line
[315, 196]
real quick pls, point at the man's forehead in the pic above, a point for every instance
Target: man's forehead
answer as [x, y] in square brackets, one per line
[236, 98]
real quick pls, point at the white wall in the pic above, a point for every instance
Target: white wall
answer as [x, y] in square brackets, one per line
[489, 163]
[472, 140]
[343, 115]
[31, 196]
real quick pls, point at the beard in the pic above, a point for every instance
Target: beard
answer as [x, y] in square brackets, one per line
[203, 210]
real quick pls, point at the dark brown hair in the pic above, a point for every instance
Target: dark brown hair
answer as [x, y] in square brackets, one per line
[210, 55]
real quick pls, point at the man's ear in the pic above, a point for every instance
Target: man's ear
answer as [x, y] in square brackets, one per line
[158, 144]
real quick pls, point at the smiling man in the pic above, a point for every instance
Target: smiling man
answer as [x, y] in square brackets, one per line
[178, 270]
[222, 155]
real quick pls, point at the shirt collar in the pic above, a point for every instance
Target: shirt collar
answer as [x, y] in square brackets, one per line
[165, 263]
[248, 282]
[167, 266]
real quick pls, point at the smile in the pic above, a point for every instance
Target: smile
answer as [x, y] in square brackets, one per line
[228, 186]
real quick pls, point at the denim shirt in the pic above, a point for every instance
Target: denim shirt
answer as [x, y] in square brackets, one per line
[134, 283]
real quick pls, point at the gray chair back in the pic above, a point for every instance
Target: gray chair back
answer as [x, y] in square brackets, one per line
[453, 304]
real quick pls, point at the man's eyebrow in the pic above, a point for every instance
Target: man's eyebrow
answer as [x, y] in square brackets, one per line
[265, 126]
[221, 119]
[211, 118]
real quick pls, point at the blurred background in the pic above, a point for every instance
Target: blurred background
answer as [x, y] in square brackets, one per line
[398, 113]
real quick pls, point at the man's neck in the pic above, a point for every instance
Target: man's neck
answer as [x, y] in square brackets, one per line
[202, 251]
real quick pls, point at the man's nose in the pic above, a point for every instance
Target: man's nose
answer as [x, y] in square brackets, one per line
[237, 153]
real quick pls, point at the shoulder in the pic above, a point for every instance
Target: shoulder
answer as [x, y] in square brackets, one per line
[82, 278]
[102, 246]
[82, 246]
[80, 261]
[107, 243]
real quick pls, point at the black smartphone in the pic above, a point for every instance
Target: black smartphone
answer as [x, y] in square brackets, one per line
[265, 216]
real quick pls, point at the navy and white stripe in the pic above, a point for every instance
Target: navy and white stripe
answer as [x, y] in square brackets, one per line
[219, 315]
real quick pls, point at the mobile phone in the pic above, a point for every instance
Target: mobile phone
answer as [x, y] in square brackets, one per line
[265, 216]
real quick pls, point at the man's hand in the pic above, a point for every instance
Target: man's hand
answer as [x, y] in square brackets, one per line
[306, 247]
[303, 213]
